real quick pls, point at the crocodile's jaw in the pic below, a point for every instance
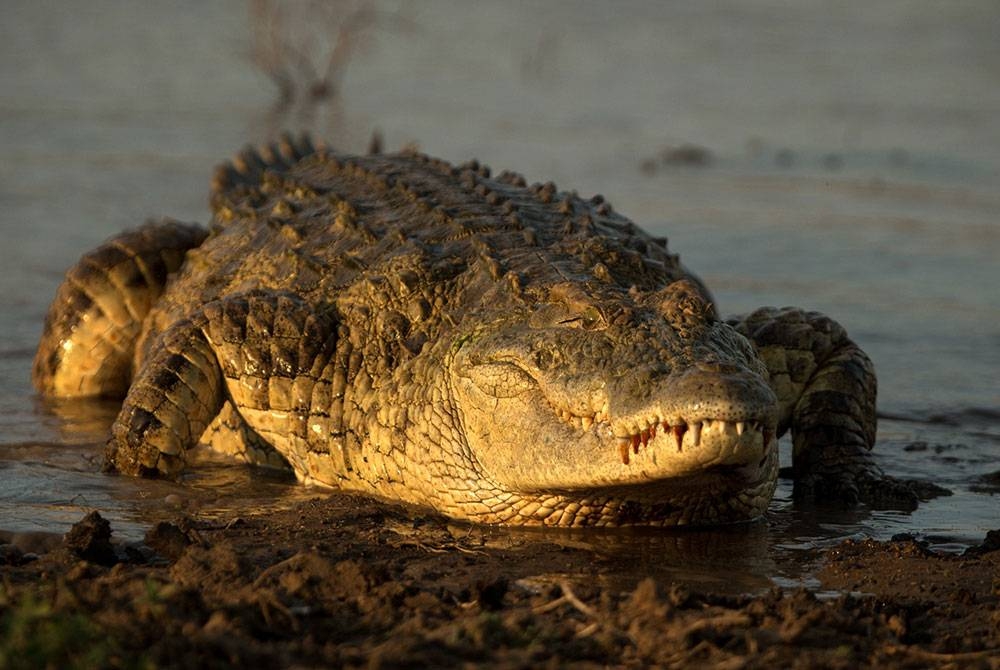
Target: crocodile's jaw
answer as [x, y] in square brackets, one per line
[714, 496]
[692, 446]
[571, 477]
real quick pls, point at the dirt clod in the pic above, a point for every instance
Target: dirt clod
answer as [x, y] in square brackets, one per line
[90, 539]
[167, 540]
[10, 555]
[991, 543]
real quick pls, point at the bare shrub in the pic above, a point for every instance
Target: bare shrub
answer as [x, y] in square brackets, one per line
[304, 48]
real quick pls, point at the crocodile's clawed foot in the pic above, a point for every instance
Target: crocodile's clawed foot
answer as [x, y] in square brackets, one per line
[833, 489]
[885, 492]
[869, 487]
[136, 463]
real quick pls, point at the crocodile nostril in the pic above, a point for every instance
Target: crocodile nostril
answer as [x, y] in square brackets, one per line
[543, 359]
[684, 306]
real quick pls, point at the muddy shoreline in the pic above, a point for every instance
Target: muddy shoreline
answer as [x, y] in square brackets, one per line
[343, 581]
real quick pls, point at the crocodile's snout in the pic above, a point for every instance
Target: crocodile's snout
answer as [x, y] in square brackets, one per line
[724, 400]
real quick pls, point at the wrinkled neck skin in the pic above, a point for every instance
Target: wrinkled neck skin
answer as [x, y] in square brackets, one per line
[610, 408]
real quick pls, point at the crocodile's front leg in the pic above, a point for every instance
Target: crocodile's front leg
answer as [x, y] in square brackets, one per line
[268, 354]
[826, 391]
[175, 396]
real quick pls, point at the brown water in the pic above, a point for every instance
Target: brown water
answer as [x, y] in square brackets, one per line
[855, 170]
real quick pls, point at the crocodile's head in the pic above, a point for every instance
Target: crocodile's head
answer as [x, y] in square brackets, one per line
[618, 409]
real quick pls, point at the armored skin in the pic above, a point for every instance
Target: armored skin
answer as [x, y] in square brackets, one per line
[500, 352]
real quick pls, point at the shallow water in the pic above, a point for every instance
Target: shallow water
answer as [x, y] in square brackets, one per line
[855, 165]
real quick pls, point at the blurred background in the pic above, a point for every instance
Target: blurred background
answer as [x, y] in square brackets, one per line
[841, 156]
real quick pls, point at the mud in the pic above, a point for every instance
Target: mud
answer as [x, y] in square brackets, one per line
[342, 581]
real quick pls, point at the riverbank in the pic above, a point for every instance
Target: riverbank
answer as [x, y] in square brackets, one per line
[342, 581]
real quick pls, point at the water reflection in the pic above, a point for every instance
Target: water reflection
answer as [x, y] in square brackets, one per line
[735, 558]
[52, 481]
[76, 420]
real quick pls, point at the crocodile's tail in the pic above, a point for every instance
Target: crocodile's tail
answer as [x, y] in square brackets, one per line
[94, 322]
[236, 182]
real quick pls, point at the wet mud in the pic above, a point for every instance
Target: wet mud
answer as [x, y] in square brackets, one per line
[343, 581]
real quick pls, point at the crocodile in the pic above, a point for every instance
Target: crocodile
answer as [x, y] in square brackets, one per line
[431, 333]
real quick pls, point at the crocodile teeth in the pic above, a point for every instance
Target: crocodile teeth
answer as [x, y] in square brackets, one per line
[582, 422]
[679, 431]
[623, 443]
[642, 436]
[696, 432]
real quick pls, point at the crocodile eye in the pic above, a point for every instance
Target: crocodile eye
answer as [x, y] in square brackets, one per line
[589, 319]
[593, 319]
[502, 380]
